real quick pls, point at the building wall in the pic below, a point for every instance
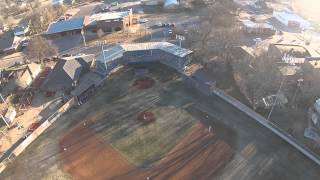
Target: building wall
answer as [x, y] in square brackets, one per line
[115, 24]
[110, 25]
[62, 34]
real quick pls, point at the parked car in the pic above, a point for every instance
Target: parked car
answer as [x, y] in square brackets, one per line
[33, 126]
[141, 21]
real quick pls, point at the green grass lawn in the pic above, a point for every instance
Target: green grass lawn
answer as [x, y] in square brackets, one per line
[117, 105]
[147, 144]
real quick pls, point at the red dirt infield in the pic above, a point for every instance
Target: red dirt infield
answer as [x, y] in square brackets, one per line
[86, 156]
[198, 156]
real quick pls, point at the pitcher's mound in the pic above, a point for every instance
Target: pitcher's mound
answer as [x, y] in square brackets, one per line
[146, 117]
[144, 83]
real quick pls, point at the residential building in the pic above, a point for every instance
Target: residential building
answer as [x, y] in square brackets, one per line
[28, 75]
[56, 3]
[171, 4]
[291, 20]
[111, 21]
[257, 27]
[288, 53]
[66, 73]
[68, 27]
[21, 30]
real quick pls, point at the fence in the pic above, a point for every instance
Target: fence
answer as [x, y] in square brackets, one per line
[36, 133]
[206, 89]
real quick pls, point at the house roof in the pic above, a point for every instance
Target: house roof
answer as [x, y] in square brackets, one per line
[63, 26]
[6, 40]
[66, 72]
[33, 67]
[251, 24]
[171, 3]
[88, 80]
[293, 50]
[109, 16]
[286, 16]
[289, 70]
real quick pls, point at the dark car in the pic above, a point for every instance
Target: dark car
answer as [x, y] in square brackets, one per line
[34, 126]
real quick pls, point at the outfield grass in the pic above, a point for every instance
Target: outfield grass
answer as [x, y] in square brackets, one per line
[148, 144]
[117, 104]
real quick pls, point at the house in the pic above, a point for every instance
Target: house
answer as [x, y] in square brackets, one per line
[66, 73]
[288, 53]
[6, 40]
[16, 45]
[111, 21]
[56, 3]
[9, 116]
[68, 27]
[150, 2]
[171, 4]
[69, 14]
[87, 83]
[28, 75]
[257, 27]
[291, 20]
[21, 30]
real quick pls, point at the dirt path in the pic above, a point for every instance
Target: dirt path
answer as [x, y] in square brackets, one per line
[86, 156]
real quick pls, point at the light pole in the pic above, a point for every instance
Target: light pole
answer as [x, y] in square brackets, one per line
[180, 38]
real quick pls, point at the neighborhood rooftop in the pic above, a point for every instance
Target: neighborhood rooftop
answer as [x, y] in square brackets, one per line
[109, 16]
[62, 26]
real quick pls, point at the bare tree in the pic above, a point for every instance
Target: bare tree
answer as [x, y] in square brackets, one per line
[311, 87]
[40, 19]
[40, 48]
[33, 4]
[263, 80]
[217, 32]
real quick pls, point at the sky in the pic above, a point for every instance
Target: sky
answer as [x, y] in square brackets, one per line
[309, 9]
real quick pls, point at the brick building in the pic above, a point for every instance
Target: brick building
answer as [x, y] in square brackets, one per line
[111, 21]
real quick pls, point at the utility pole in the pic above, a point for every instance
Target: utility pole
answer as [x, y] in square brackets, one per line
[3, 99]
[83, 37]
[275, 102]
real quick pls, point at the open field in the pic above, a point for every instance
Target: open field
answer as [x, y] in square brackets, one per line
[102, 139]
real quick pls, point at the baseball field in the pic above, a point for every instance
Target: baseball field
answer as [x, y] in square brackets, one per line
[144, 122]
[111, 142]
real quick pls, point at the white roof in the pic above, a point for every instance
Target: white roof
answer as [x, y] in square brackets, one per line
[109, 16]
[164, 46]
[171, 3]
[286, 16]
[252, 24]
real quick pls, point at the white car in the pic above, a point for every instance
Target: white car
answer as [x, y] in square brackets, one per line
[143, 21]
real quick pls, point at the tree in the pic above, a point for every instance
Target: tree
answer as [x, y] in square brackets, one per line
[264, 80]
[310, 87]
[217, 32]
[39, 20]
[33, 4]
[40, 48]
